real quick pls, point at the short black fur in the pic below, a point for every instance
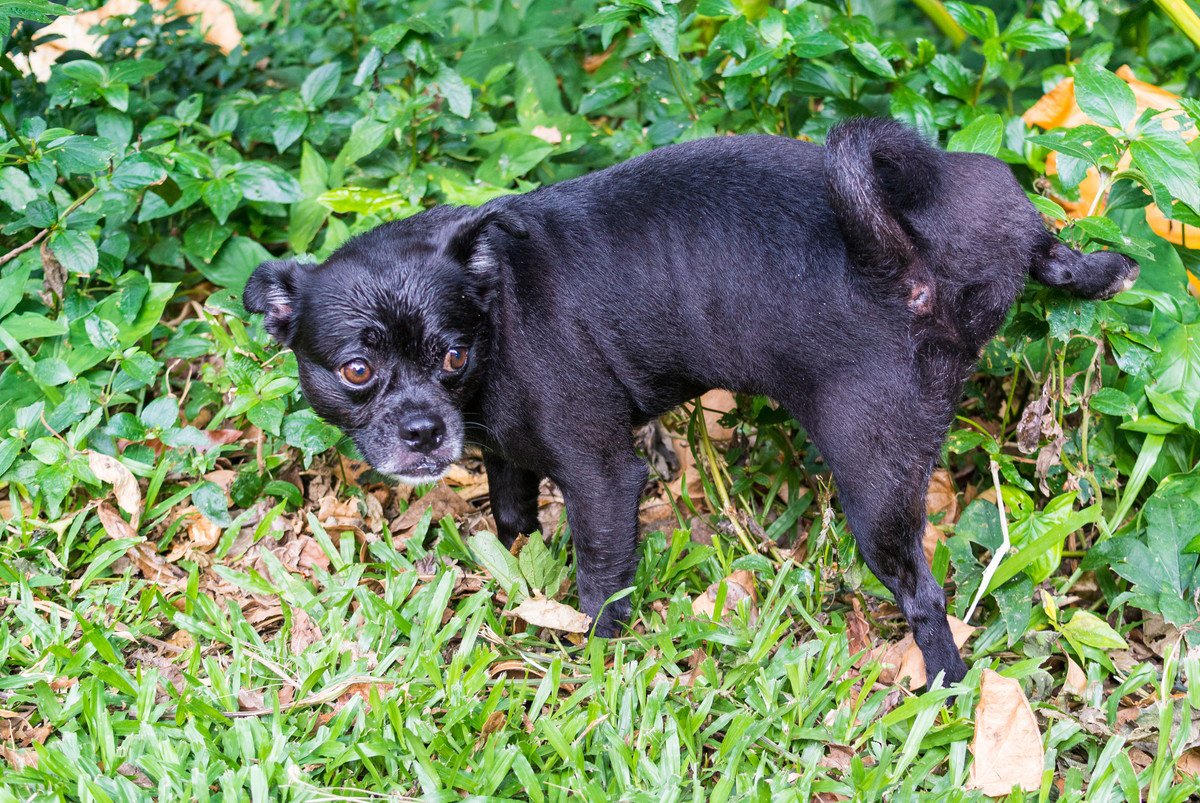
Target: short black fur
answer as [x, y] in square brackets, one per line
[854, 284]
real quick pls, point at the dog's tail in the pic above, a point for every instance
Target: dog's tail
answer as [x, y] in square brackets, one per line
[876, 170]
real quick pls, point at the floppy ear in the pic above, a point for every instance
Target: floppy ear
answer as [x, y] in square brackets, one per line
[466, 242]
[271, 290]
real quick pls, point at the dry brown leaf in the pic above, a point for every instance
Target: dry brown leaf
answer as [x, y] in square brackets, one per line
[125, 486]
[903, 659]
[53, 271]
[444, 502]
[1189, 763]
[493, 724]
[1007, 745]
[1076, 681]
[514, 668]
[941, 498]
[738, 586]
[339, 514]
[837, 757]
[219, 437]
[304, 633]
[716, 404]
[197, 535]
[19, 759]
[541, 612]
[858, 629]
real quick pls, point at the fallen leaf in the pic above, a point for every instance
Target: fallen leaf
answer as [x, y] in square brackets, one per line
[903, 659]
[1189, 763]
[837, 757]
[125, 486]
[304, 632]
[1007, 745]
[541, 612]
[19, 759]
[53, 271]
[858, 629]
[196, 535]
[444, 502]
[738, 586]
[493, 724]
[1076, 681]
[218, 437]
[514, 668]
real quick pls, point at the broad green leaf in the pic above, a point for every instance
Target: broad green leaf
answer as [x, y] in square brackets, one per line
[1104, 97]
[983, 135]
[75, 250]
[320, 84]
[1089, 629]
[501, 564]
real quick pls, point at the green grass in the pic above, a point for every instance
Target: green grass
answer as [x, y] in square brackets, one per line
[418, 686]
[198, 600]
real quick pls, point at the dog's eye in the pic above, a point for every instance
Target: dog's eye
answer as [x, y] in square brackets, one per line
[455, 360]
[357, 372]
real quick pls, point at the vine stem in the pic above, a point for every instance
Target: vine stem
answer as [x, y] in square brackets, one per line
[41, 235]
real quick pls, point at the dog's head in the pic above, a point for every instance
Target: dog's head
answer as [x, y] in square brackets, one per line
[391, 333]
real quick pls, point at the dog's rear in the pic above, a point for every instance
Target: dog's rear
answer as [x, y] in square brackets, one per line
[914, 218]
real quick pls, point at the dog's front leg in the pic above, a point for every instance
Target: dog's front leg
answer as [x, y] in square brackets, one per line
[513, 492]
[602, 496]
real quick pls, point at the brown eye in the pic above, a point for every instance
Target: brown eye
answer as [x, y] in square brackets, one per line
[357, 372]
[455, 360]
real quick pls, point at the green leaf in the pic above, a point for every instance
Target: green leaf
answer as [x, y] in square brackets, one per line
[1104, 97]
[1090, 630]
[1166, 160]
[1111, 401]
[1049, 538]
[320, 84]
[53, 372]
[260, 181]
[500, 564]
[161, 413]
[289, 126]
[663, 30]
[366, 135]
[75, 250]
[234, 262]
[983, 135]
[210, 500]
[450, 86]
[868, 55]
[137, 171]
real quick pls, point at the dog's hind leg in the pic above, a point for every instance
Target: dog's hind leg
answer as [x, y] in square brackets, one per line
[513, 493]
[881, 438]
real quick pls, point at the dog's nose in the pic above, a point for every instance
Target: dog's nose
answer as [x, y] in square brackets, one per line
[422, 432]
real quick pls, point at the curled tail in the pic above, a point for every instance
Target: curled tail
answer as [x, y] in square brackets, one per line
[876, 170]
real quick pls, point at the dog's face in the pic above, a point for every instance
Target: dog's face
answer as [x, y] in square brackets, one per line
[391, 334]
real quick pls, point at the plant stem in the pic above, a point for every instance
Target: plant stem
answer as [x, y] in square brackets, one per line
[1184, 18]
[12, 132]
[940, 17]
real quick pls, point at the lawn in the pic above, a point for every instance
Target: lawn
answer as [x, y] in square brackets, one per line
[205, 594]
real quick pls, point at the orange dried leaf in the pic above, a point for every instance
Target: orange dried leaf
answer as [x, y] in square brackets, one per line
[1008, 744]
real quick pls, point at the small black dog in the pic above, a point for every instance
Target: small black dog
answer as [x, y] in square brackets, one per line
[855, 284]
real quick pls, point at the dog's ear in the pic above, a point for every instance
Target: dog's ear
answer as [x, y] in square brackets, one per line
[467, 244]
[271, 290]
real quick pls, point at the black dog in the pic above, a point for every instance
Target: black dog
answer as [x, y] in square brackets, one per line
[854, 284]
